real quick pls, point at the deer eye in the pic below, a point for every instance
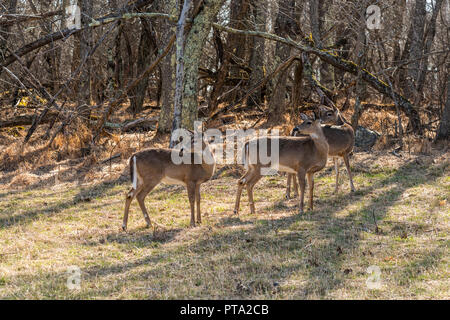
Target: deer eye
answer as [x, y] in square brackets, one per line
[309, 122]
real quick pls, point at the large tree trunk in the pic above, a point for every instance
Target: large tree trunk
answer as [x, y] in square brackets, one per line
[167, 71]
[283, 27]
[146, 51]
[399, 10]
[195, 41]
[257, 53]
[180, 72]
[317, 11]
[360, 88]
[416, 48]
[51, 56]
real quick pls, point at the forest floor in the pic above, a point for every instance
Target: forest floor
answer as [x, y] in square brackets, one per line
[54, 218]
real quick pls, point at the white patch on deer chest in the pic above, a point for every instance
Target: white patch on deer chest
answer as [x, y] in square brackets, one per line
[169, 180]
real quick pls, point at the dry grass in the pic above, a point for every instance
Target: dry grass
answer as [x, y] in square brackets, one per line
[397, 220]
[57, 211]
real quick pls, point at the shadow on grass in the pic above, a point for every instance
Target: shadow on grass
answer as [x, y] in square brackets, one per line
[33, 213]
[244, 255]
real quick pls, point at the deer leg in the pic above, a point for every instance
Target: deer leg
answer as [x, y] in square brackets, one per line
[301, 182]
[347, 165]
[241, 183]
[294, 179]
[197, 199]
[310, 177]
[140, 196]
[250, 185]
[128, 198]
[238, 198]
[191, 195]
[288, 186]
[336, 170]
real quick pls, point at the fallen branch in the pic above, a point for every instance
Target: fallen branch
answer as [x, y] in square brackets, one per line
[141, 122]
[6, 21]
[25, 120]
[111, 158]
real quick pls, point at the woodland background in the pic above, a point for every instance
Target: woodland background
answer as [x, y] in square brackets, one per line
[75, 104]
[125, 53]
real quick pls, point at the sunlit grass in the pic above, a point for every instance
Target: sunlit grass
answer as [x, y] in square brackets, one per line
[397, 220]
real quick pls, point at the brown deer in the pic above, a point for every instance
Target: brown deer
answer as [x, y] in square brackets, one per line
[151, 166]
[302, 156]
[341, 139]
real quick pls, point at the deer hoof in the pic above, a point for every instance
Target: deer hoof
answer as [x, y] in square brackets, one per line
[124, 228]
[287, 197]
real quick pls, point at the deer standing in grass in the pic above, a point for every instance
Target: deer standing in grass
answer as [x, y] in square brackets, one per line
[341, 139]
[302, 156]
[151, 166]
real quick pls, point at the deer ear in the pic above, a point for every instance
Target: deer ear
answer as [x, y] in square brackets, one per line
[303, 116]
[314, 116]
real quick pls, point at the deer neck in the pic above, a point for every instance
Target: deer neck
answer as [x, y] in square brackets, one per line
[320, 141]
[209, 165]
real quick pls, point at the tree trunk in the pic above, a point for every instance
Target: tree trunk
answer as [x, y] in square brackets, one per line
[431, 31]
[297, 86]
[283, 27]
[317, 11]
[257, 53]
[195, 42]
[146, 51]
[234, 50]
[416, 50]
[85, 81]
[443, 132]
[180, 72]
[167, 71]
[360, 88]
[4, 30]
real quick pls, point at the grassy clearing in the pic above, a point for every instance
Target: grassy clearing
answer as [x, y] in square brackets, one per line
[397, 220]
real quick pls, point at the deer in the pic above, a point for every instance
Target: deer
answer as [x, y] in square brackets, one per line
[302, 156]
[154, 165]
[341, 139]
